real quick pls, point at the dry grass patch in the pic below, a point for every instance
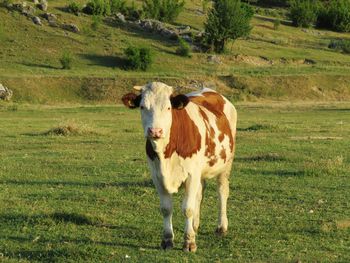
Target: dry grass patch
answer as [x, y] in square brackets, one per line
[70, 128]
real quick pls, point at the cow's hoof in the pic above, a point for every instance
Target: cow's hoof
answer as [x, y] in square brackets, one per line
[167, 244]
[189, 247]
[221, 232]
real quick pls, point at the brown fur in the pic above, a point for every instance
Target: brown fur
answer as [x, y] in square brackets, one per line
[214, 102]
[185, 138]
[223, 154]
[209, 139]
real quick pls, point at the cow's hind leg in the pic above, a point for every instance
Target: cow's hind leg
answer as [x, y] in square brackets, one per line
[223, 191]
[188, 207]
[196, 217]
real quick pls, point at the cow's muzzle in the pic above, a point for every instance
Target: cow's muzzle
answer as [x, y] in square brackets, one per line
[155, 133]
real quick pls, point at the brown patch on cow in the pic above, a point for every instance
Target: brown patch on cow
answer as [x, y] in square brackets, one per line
[223, 154]
[185, 138]
[209, 139]
[131, 100]
[150, 151]
[214, 103]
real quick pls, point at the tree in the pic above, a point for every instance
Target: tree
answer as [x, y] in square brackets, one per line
[303, 13]
[228, 19]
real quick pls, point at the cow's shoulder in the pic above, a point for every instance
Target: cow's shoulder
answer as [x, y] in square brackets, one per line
[209, 99]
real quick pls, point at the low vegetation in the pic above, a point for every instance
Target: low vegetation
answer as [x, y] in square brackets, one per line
[340, 45]
[74, 8]
[184, 48]
[66, 60]
[70, 128]
[90, 198]
[163, 10]
[139, 58]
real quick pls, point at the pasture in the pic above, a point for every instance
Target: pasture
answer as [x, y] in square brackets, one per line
[88, 197]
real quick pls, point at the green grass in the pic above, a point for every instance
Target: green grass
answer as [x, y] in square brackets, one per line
[29, 49]
[89, 198]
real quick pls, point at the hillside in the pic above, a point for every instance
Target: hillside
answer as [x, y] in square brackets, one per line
[288, 63]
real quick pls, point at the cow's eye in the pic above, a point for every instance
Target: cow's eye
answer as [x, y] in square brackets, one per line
[168, 108]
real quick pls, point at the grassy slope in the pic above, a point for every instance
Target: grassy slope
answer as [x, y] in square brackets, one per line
[29, 51]
[89, 197]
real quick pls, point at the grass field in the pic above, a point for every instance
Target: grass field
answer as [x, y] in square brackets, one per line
[297, 57]
[89, 198]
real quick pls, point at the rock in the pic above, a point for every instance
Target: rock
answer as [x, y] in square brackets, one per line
[36, 20]
[71, 27]
[184, 29]
[51, 18]
[213, 59]
[187, 38]
[19, 6]
[168, 33]
[5, 93]
[120, 17]
[43, 5]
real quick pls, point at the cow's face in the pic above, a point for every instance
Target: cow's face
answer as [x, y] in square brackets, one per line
[156, 103]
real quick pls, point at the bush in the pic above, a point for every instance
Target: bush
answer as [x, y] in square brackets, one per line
[276, 24]
[96, 22]
[163, 10]
[66, 60]
[98, 7]
[132, 12]
[228, 19]
[73, 8]
[138, 58]
[184, 48]
[335, 15]
[303, 13]
[118, 6]
[341, 45]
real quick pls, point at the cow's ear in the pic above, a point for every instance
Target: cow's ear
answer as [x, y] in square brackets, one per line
[131, 100]
[179, 101]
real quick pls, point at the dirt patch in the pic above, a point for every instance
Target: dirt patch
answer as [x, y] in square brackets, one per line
[252, 60]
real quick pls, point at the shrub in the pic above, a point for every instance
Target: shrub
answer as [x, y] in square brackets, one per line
[342, 45]
[66, 60]
[98, 7]
[335, 15]
[73, 8]
[276, 24]
[228, 19]
[117, 6]
[132, 12]
[138, 58]
[96, 22]
[184, 48]
[303, 13]
[163, 10]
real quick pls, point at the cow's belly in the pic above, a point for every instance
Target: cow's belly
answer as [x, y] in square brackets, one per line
[213, 171]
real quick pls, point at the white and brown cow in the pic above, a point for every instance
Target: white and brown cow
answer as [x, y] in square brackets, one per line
[190, 138]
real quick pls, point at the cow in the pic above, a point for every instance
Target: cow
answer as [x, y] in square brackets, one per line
[189, 138]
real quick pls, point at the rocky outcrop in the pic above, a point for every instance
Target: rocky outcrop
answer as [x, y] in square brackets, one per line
[5, 93]
[71, 27]
[42, 5]
[37, 20]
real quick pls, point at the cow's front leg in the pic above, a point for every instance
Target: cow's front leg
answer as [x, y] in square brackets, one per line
[188, 208]
[166, 208]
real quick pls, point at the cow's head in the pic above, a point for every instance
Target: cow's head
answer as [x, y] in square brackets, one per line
[156, 102]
